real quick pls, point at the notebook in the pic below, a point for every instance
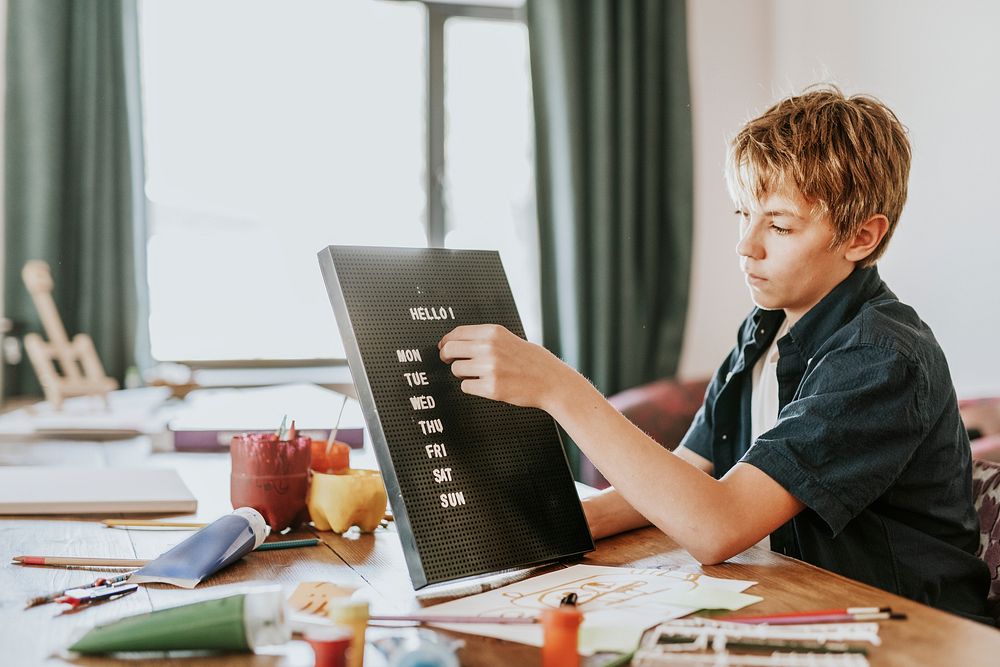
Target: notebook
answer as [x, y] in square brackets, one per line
[64, 490]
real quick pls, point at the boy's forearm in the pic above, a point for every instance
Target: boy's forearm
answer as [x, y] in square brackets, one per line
[690, 506]
[609, 514]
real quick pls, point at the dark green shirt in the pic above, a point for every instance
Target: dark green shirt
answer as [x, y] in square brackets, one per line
[868, 437]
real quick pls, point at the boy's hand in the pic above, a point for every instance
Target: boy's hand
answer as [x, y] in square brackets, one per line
[494, 363]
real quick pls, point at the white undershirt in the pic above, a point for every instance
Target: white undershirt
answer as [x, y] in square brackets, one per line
[764, 398]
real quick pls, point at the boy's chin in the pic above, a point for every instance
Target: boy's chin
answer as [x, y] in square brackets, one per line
[763, 303]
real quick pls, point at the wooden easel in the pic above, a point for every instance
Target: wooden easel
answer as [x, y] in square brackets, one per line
[81, 371]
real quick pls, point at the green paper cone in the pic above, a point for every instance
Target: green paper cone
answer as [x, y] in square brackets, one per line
[215, 625]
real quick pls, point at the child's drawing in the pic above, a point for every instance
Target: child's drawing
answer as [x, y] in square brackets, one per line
[624, 600]
[622, 590]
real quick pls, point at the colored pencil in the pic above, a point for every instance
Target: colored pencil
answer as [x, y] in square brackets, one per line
[814, 612]
[424, 618]
[288, 544]
[823, 616]
[138, 562]
[74, 560]
[129, 523]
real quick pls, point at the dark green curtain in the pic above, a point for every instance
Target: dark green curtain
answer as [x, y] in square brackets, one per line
[614, 180]
[74, 174]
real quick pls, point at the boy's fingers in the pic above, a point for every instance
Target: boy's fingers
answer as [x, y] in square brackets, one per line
[470, 332]
[460, 349]
[476, 388]
[466, 368]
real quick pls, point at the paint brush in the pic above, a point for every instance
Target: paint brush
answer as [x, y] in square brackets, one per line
[336, 427]
[431, 618]
[52, 597]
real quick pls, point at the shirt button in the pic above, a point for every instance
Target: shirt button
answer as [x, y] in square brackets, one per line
[724, 436]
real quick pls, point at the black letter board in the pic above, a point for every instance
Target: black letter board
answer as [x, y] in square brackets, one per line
[475, 485]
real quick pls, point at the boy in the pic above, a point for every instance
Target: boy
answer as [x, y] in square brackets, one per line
[831, 432]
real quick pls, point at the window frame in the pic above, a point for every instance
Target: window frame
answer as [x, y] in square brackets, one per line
[437, 14]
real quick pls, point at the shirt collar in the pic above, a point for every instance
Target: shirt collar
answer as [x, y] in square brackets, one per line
[817, 325]
[834, 310]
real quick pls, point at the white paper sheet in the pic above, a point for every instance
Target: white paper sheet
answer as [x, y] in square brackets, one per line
[617, 603]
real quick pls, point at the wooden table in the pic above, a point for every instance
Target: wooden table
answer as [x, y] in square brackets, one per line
[375, 564]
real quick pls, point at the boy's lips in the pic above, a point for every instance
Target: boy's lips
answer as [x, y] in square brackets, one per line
[753, 279]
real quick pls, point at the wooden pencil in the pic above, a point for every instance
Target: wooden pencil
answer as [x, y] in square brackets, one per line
[127, 523]
[74, 560]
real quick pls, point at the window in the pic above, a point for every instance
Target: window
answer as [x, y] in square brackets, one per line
[317, 123]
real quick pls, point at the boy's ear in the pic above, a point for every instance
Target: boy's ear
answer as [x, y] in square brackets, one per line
[869, 235]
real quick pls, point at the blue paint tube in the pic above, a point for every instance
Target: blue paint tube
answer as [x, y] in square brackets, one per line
[217, 545]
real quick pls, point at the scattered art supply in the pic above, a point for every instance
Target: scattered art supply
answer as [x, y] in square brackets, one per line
[628, 599]
[288, 544]
[241, 622]
[53, 597]
[700, 641]
[78, 597]
[152, 523]
[353, 498]
[560, 634]
[353, 614]
[330, 457]
[312, 597]
[855, 614]
[442, 619]
[271, 475]
[221, 543]
[423, 648]
[74, 491]
[331, 644]
[80, 561]
[336, 425]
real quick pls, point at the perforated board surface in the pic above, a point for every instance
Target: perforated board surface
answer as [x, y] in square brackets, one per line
[475, 485]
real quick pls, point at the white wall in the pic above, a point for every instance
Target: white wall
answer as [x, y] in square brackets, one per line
[3, 107]
[728, 80]
[936, 65]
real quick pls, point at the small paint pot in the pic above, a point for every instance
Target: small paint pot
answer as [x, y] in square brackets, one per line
[352, 498]
[271, 476]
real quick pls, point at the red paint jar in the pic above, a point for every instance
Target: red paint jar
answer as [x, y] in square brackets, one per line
[271, 476]
[331, 644]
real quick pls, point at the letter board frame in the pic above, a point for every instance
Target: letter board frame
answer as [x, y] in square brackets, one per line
[476, 486]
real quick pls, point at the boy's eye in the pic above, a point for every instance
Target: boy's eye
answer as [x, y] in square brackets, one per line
[781, 231]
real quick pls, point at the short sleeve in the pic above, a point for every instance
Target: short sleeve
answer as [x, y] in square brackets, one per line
[698, 438]
[848, 435]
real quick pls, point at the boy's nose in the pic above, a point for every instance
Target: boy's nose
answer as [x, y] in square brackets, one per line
[748, 245]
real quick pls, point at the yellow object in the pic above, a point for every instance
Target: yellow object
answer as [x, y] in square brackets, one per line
[312, 597]
[352, 498]
[353, 614]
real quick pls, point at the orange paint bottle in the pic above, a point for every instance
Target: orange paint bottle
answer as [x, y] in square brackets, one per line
[561, 627]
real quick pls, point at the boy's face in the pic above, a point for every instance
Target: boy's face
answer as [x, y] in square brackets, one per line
[785, 252]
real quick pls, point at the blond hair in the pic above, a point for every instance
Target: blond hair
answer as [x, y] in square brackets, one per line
[848, 156]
